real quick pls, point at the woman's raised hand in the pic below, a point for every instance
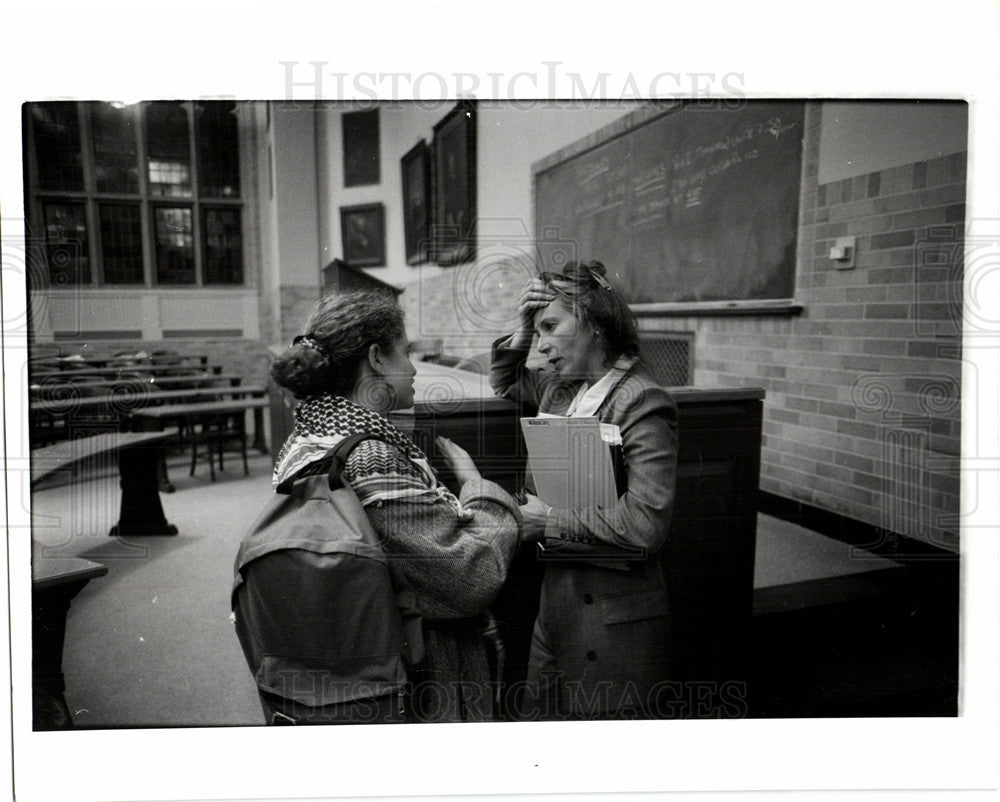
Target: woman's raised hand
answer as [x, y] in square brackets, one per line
[458, 460]
[535, 295]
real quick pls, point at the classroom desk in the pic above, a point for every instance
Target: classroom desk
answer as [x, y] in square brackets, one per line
[126, 402]
[839, 631]
[156, 417]
[68, 363]
[797, 569]
[52, 418]
[118, 370]
[55, 581]
[62, 389]
[138, 466]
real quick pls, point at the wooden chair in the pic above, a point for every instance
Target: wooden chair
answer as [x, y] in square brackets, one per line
[215, 431]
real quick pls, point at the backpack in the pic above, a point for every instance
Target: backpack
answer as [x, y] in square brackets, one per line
[321, 614]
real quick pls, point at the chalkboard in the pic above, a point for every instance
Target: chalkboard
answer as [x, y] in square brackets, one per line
[691, 204]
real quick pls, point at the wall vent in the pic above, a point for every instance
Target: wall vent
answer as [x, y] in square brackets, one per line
[669, 355]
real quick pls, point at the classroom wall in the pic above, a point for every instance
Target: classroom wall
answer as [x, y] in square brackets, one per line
[862, 412]
[858, 137]
[460, 305]
[862, 415]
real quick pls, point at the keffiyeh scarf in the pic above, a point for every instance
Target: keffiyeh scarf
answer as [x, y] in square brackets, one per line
[323, 421]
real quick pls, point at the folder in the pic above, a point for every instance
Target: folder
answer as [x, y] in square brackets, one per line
[570, 462]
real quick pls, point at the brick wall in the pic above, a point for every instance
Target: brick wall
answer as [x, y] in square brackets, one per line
[863, 388]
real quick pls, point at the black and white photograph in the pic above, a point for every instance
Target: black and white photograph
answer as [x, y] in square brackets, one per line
[636, 435]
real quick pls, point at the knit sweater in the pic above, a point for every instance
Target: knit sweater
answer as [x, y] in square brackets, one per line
[453, 551]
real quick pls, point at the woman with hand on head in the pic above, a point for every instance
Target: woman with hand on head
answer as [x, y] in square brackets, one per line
[350, 370]
[601, 642]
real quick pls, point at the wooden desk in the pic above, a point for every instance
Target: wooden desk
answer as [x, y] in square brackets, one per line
[127, 402]
[839, 631]
[709, 559]
[797, 569]
[156, 417]
[102, 361]
[169, 411]
[60, 389]
[57, 579]
[53, 572]
[153, 369]
[54, 583]
[138, 466]
[58, 457]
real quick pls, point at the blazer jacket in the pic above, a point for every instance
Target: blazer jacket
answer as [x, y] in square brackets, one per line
[608, 629]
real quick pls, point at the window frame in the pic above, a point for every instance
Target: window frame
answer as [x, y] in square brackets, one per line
[147, 201]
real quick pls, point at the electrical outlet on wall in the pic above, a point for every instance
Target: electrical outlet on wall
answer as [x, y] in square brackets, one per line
[842, 252]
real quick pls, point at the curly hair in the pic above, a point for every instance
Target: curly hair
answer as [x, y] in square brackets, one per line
[339, 332]
[583, 288]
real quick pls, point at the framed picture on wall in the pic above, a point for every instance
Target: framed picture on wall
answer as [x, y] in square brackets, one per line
[454, 226]
[416, 169]
[361, 147]
[362, 231]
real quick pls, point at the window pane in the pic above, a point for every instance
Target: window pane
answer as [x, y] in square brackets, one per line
[57, 145]
[121, 243]
[168, 152]
[174, 245]
[223, 246]
[218, 150]
[116, 165]
[66, 244]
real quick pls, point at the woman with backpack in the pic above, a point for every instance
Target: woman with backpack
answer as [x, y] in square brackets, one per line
[448, 554]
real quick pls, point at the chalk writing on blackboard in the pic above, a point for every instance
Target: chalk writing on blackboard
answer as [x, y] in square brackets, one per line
[684, 205]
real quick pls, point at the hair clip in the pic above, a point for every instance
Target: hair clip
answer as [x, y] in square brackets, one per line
[310, 343]
[601, 281]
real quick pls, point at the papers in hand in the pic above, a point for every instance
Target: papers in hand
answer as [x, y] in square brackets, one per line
[570, 461]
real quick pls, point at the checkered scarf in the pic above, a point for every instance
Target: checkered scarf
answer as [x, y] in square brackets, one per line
[322, 421]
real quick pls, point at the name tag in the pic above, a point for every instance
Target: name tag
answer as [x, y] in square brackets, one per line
[611, 434]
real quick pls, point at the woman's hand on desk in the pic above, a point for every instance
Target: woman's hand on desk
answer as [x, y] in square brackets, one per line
[458, 460]
[534, 514]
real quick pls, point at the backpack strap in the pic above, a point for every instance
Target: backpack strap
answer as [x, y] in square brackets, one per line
[340, 455]
[333, 464]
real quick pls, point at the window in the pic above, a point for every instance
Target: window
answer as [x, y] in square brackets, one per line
[146, 195]
[121, 243]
